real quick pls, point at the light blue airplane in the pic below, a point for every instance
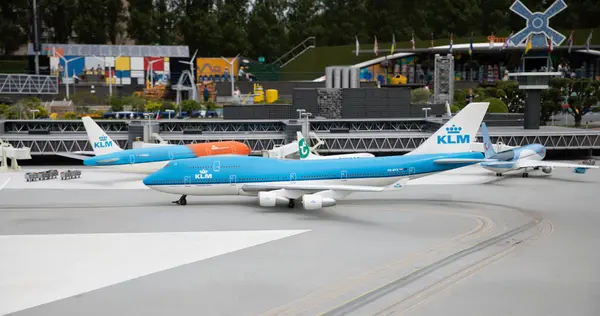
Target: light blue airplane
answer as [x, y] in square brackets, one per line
[525, 158]
[321, 182]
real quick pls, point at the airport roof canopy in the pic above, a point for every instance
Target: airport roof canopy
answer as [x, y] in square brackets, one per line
[113, 50]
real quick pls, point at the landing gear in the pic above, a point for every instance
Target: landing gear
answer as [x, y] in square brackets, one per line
[292, 203]
[181, 201]
[525, 175]
[498, 174]
[536, 168]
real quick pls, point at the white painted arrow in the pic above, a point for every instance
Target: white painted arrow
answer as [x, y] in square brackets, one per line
[38, 269]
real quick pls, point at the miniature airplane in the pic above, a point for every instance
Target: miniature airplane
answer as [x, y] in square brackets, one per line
[321, 182]
[524, 158]
[148, 159]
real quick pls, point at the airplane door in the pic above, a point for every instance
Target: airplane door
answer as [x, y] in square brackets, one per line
[171, 155]
[411, 171]
[344, 175]
[187, 180]
[232, 179]
[292, 177]
[131, 159]
[216, 166]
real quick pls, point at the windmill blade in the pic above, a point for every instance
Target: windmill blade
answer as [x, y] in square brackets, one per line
[194, 56]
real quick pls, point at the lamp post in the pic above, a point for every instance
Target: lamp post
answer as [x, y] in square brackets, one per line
[231, 71]
[67, 70]
[426, 109]
[33, 112]
[170, 111]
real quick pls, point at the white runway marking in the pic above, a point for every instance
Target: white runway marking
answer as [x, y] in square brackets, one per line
[4, 184]
[38, 269]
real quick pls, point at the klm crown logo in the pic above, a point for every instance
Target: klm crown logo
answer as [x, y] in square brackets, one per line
[203, 174]
[454, 136]
[103, 143]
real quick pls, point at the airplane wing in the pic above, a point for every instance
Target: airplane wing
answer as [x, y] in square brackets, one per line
[534, 163]
[73, 156]
[461, 160]
[322, 187]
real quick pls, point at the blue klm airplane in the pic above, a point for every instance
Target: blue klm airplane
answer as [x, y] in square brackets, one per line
[321, 182]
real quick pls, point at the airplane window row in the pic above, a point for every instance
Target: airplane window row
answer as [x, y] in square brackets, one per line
[230, 166]
[198, 167]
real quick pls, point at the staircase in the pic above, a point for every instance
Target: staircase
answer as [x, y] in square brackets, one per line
[298, 50]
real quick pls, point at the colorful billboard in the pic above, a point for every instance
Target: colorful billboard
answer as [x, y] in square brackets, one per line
[214, 66]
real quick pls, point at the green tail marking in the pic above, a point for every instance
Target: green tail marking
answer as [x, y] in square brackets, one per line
[303, 148]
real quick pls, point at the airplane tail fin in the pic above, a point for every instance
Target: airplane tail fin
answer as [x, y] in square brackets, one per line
[457, 134]
[487, 142]
[303, 147]
[101, 143]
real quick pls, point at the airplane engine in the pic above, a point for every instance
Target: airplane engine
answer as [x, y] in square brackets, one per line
[547, 169]
[315, 202]
[270, 199]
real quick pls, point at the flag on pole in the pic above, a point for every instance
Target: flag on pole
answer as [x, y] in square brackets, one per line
[471, 45]
[550, 44]
[571, 41]
[589, 40]
[412, 40]
[393, 44]
[158, 115]
[492, 41]
[357, 45]
[376, 47]
[528, 44]
[451, 42]
[507, 42]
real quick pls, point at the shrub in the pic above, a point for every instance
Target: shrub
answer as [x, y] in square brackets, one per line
[116, 104]
[210, 106]
[190, 106]
[419, 96]
[70, 116]
[167, 106]
[135, 103]
[454, 108]
[152, 106]
[496, 105]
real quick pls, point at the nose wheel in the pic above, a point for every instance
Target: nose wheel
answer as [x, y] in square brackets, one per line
[525, 175]
[181, 201]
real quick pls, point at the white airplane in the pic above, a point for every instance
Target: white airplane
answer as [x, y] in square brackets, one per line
[305, 153]
[524, 158]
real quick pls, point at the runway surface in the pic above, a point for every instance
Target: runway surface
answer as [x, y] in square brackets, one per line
[104, 244]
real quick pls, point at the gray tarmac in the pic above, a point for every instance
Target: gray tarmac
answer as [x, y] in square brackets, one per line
[495, 246]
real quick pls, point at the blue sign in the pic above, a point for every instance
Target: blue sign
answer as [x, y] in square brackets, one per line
[538, 25]
[103, 143]
[454, 136]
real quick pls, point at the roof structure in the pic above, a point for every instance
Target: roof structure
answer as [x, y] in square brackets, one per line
[113, 50]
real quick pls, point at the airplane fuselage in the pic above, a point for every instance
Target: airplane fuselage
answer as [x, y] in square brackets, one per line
[510, 157]
[150, 159]
[227, 175]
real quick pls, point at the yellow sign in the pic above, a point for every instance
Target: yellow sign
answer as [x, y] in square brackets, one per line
[214, 66]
